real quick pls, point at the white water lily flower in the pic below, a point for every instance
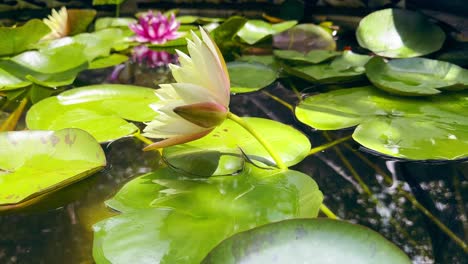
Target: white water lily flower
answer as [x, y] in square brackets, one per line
[58, 24]
[198, 102]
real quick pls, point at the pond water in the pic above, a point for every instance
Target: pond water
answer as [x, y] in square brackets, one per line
[358, 185]
[58, 229]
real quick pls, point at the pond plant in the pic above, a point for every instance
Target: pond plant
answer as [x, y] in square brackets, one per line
[224, 191]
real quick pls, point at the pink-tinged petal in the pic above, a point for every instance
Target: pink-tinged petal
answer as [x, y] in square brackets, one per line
[205, 114]
[176, 140]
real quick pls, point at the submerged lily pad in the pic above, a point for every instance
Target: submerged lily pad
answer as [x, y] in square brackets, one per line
[313, 56]
[101, 110]
[154, 225]
[300, 240]
[398, 33]
[255, 30]
[347, 67]
[416, 76]
[249, 77]
[17, 39]
[432, 128]
[219, 153]
[36, 162]
[304, 38]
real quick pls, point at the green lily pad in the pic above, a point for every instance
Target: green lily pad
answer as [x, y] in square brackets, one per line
[108, 2]
[224, 35]
[313, 56]
[302, 240]
[209, 210]
[250, 77]
[79, 20]
[108, 61]
[36, 162]
[100, 43]
[398, 33]
[101, 110]
[219, 153]
[109, 22]
[18, 39]
[255, 30]
[347, 67]
[416, 76]
[47, 67]
[430, 128]
[304, 38]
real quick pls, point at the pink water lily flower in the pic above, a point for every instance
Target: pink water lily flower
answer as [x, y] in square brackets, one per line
[156, 29]
[198, 102]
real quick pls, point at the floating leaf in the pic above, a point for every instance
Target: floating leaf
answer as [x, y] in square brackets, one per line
[100, 43]
[108, 61]
[304, 38]
[347, 67]
[313, 56]
[255, 30]
[224, 36]
[155, 230]
[36, 162]
[101, 110]
[249, 77]
[416, 76]
[410, 128]
[302, 240]
[18, 39]
[47, 68]
[219, 153]
[110, 22]
[79, 20]
[398, 33]
[108, 2]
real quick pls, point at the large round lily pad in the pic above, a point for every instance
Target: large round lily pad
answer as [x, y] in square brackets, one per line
[250, 76]
[33, 163]
[304, 38]
[160, 209]
[398, 33]
[101, 110]
[313, 56]
[18, 39]
[221, 152]
[430, 128]
[416, 76]
[303, 240]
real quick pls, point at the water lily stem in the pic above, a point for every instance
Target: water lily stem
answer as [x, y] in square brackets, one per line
[325, 210]
[329, 145]
[143, 139]
[279, 100]
[257, 136]
[12, 120]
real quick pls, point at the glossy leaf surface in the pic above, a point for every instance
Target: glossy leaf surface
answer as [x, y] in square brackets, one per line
[347, 67]
[249, 77]
[47, 67]
[398, 33]
[433, 128]
[101, 110]
[304, 38]
[108, 22]
[313, 56]
[301, 240]
[219, 153]
[209, 210]
[416, 76]
[36, 162]
[255, 30]
[18, 39]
